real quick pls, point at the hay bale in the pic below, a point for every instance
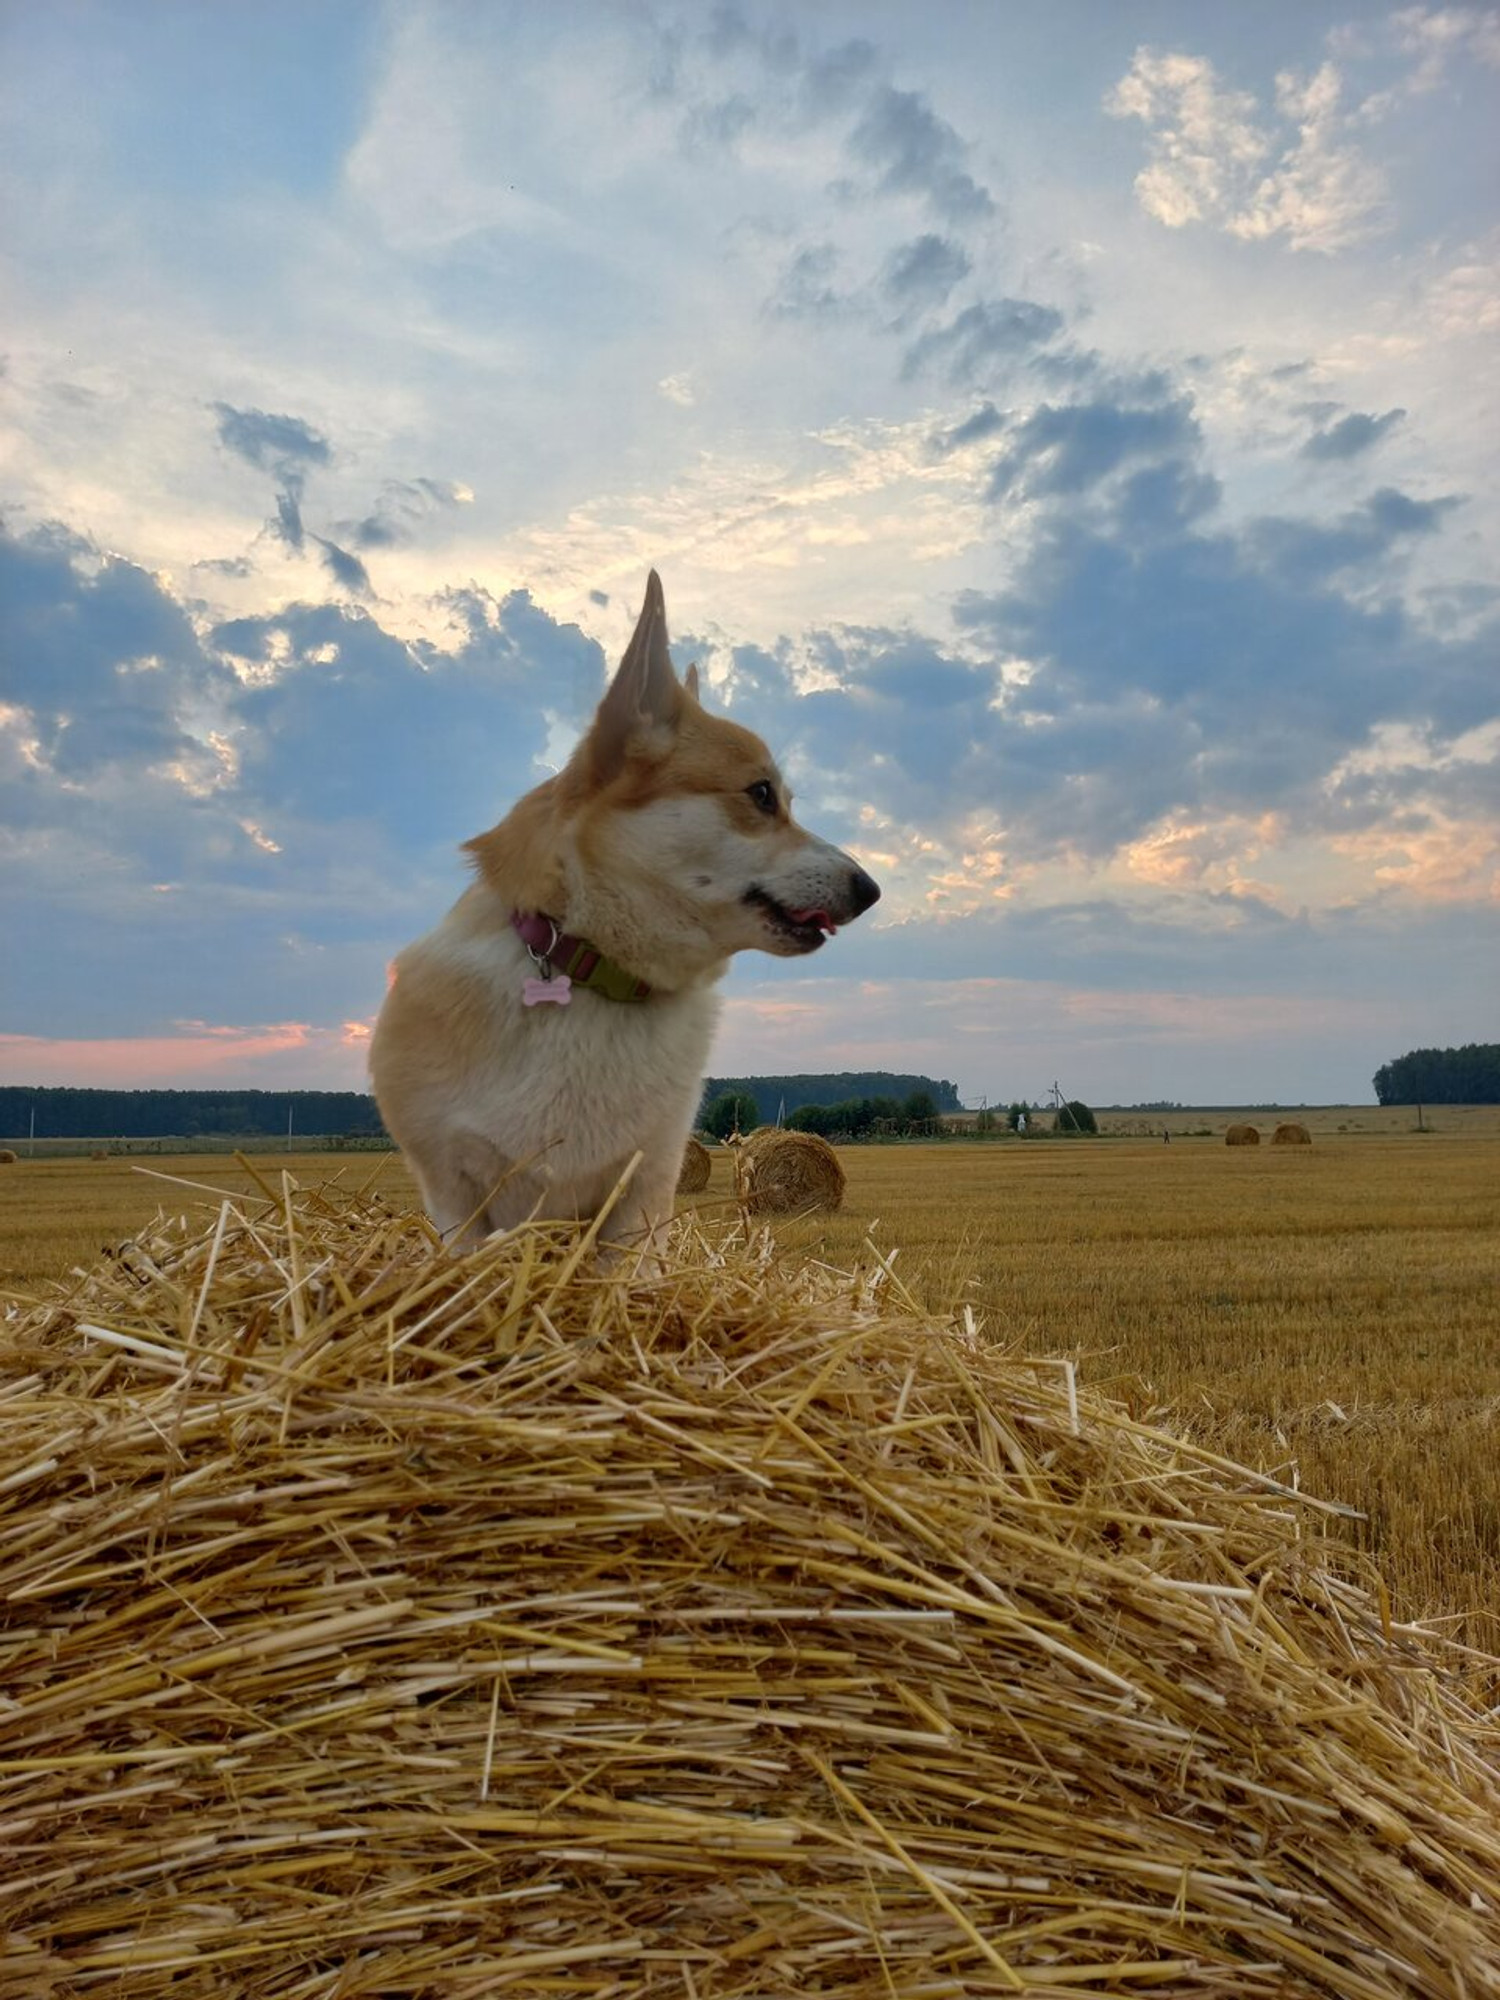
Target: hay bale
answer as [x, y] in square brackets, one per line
[1291, 1134]
[1242, 1135]
[787, 1173]
[384, 1622]
[693, 1175]
[8, 1158]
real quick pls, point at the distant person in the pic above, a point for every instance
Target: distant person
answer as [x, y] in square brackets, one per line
[1166, 1137]
[1021, 1123]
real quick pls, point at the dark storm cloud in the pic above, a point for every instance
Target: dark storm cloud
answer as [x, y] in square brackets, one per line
[916, 152]
[982, 336]
[1351, 435]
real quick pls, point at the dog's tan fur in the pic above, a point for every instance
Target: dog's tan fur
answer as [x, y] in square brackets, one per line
[660, 844]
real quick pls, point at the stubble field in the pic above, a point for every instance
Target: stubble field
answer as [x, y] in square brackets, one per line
[1333, 1309]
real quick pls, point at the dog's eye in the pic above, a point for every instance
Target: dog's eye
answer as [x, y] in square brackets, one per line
[763, 792]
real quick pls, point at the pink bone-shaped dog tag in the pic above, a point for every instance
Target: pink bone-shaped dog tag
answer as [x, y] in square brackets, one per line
[558, 989]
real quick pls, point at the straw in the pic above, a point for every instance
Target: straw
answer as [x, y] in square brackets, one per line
[380, 1622]
[787, 1173]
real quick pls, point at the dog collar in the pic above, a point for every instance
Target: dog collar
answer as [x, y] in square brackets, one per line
[560, 957]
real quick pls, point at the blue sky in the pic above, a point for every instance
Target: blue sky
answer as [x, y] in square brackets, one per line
[1067, 435]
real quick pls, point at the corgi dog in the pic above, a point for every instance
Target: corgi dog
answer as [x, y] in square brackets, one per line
[558, 1020]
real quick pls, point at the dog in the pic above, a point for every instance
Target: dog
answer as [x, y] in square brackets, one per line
[558, 1020]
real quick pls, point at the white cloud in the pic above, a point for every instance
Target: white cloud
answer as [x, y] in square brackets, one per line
[1205, 141]
[1218, 157]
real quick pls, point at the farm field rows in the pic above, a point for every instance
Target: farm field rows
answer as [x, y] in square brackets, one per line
[1334, 1308]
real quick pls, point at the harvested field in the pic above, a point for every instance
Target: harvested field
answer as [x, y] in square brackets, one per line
[399, 1624]
[1328, 1313]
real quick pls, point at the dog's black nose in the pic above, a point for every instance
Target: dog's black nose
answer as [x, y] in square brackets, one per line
[865, 890]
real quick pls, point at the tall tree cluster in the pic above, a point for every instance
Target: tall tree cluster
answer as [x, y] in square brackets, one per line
[1468, 1075]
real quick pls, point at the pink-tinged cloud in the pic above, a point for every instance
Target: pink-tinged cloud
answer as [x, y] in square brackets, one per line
[1444, 861]
[285, 1055]
[999, 1038]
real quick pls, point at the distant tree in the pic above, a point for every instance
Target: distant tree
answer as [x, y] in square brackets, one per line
[984, 1122]
[1016, 1112]
[1075, 1116]
[1467, 1075]
[811, 1118]
[733, 1112]
[773, 1093]
[921, 1113]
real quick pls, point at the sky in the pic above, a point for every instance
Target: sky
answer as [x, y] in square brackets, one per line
[1067, 435]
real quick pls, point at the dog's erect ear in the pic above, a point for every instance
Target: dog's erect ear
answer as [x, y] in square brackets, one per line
[690, 680]
[645, 696]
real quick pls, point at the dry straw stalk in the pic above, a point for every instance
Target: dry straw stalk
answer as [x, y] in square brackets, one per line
[382, 1623]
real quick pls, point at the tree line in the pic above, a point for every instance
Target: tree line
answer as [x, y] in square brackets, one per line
[1468, 1075]
[778, 1096]
[913, 1117]
[58, 1112]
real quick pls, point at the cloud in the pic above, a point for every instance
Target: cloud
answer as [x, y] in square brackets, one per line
[805, 289]
[1217, 156]
[346, 570]
[279, 1055]
[973, 429]
[1067, 449]
[1438, 38]
[101, 659]
[916, 152]
[923, 272]
[1351, 435]
[400, 511]
[272, 443]
[983, 337]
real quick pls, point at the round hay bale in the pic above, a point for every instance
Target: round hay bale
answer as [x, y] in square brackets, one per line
[384, 1623]
[8, 1158]
[788, 1173]
[1291, 1134]
[693, 1175]
[1242, 1135]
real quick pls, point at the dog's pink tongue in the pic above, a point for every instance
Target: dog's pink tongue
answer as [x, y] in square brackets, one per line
[821, 918]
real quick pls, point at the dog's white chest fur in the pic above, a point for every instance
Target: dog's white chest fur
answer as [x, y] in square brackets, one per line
[506, 1110]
